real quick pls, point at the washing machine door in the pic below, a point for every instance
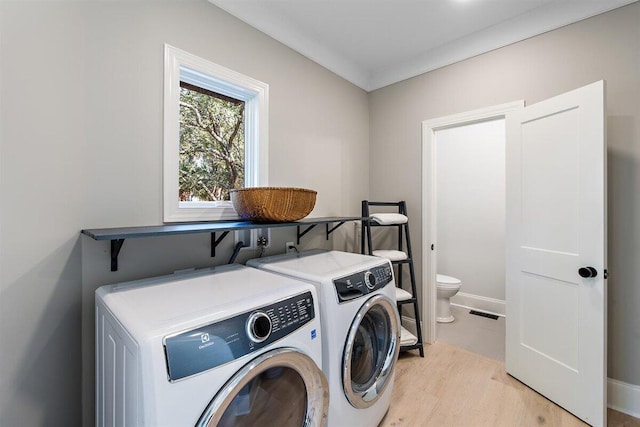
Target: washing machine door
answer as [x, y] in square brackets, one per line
[371, 351]
[280, 388]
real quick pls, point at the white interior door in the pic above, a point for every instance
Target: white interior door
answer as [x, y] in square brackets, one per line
[556, 228]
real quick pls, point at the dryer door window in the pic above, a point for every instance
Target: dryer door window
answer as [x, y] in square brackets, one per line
[280, 388]
[371, 351]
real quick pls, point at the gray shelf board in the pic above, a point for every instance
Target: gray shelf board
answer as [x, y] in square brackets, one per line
[201, 227]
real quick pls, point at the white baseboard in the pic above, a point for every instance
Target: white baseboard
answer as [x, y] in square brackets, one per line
[480, 303]
[623, 397]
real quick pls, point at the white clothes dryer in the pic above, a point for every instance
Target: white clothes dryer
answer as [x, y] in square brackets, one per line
[229, 346]
[360, 324]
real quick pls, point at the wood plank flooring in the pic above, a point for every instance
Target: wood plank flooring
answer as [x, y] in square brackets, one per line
[453, 387]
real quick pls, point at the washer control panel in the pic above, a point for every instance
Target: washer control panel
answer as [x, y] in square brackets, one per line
[215, 344]
[363, 282]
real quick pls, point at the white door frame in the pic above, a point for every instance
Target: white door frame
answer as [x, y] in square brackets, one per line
[429, 235]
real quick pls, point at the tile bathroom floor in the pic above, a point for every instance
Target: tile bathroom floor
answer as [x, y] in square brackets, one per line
[474, 333]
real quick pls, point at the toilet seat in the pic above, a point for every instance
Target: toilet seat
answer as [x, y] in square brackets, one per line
[447, 281]
[447, 287]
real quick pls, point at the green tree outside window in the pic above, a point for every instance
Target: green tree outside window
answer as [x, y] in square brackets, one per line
[211, 144]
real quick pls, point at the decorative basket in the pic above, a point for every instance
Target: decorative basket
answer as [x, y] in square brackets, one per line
[273, 204]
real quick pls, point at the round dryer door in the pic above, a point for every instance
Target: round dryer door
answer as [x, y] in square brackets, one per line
[371, 351]
[280, 388]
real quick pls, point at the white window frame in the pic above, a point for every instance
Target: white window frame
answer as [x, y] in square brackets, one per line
[181, 65]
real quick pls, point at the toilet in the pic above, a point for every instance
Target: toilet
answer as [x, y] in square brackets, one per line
[446, 287]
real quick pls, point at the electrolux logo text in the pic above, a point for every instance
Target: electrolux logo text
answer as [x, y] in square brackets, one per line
[206, 341]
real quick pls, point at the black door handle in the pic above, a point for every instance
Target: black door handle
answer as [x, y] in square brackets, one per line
[587, 272]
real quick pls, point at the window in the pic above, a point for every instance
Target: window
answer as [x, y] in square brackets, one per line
[215, 137]
[211, 154]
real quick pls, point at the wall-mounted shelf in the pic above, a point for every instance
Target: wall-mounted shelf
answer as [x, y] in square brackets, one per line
[117, 236]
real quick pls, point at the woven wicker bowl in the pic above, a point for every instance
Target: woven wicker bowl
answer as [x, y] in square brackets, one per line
[273, 204]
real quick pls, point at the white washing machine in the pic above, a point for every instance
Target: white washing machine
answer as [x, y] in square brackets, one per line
[230, 346]
[360, 324]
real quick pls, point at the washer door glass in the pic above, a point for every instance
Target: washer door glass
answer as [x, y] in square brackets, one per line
[280, 388]
[371, 351]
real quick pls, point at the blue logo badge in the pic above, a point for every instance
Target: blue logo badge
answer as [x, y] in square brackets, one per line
[313, 334]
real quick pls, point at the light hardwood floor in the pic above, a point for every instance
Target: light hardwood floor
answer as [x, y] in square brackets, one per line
[453, 387]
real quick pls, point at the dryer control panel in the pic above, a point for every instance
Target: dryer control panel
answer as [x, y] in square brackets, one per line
[215, 344]
[363, 282]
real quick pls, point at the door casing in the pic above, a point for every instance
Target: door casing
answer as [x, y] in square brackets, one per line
[429, 221]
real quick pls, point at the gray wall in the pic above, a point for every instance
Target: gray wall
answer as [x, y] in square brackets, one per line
[603, 47]
[81, 147]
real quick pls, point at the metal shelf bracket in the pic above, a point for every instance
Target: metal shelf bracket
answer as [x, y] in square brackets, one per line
[116, 245]
[332, 229]
[215, 242]
[306, 230]
[312, 226]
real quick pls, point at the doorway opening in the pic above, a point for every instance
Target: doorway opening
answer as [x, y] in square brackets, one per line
[463, 223]
[470, 216]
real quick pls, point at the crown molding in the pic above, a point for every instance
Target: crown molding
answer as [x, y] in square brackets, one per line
[538, 21]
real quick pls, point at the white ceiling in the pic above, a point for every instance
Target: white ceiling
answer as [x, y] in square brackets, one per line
[374, 43]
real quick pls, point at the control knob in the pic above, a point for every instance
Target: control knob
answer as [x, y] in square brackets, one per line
[259, 326]
[370, 280]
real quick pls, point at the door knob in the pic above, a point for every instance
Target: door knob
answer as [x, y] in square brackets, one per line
[587, 272]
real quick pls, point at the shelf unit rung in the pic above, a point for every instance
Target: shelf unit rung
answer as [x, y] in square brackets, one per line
[391, 255]
[406, 337]
[402, 295]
